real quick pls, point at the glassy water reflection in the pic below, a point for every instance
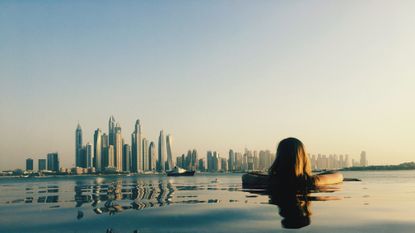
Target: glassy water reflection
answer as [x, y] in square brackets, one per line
[203, 203]
[115, 195]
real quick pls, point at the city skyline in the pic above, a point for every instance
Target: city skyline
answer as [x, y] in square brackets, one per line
[100, 156]
[215, 75]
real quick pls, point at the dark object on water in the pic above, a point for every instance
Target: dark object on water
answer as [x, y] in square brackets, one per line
[351, 179]
[177, 171]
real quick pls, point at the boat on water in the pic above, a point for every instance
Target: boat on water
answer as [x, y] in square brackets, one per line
[178, 171]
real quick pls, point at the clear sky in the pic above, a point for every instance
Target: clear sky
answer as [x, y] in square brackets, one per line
[339, 75]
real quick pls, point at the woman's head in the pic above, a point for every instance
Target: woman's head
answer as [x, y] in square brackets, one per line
[291, 161]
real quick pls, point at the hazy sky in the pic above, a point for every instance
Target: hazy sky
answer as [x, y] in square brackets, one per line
[339, 75]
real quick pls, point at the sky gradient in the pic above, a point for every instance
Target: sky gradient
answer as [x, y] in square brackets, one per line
[216, 75]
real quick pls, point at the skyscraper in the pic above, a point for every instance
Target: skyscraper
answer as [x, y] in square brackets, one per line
[78, 146]
[145, 155]
[41, 164]
[346, 161]
[126, 154]
[98, 150]
[105, 154]
[82, 158]
[111, 159]
[29, 164]
[88, 155]
[188, 160]
[118, 148]
[231, 161]
[363, 159]
[210, 161]
[111, 131]
[194, 164]
[202, 165]
[136, 148]
[169, 164]
[53, 162]
[152, 157]
[161, 153]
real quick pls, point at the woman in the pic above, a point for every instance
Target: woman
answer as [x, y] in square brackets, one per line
[291, 169]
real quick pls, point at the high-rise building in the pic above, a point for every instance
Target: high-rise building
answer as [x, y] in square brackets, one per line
[210, 161]
[105, 154]
[179, 161]
[111, 155]
[126, 165]
[217, 165]
[194, 163]
[105, 140]
[29, 164]
[146, 160]
[98, 150]
[78, 146]
[169, 142]
[188, 160]
[202, 165]
[118, 148]
[152, 157]
[363, 159]
[263, 160]
[161, 153]
[231, 161]
[346, 161]
[88, 155]
[111, 131]
[82, 162]
[136, 148]
[238, 161]
[214, 162]
[41, 164]
[53, 162]
[224, 165]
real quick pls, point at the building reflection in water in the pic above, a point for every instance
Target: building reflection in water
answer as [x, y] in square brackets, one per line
[115, 195]
[47, 194]
[111, 198]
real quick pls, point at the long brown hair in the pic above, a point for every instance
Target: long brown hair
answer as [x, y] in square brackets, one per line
[291, 163]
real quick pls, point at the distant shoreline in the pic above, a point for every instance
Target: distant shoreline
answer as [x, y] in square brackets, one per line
[402, 166]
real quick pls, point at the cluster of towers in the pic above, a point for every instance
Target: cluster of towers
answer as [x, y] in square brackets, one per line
[334, 161]
[51, 163]
[236, 162]
[110, 153]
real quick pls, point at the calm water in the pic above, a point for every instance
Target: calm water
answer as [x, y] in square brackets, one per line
[382, 202]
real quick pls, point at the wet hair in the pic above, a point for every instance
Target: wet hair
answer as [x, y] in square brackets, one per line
[291, 165]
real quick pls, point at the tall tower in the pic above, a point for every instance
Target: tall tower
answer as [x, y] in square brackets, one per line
[136, 149]
[53, 162]
[78, 145]
[363, 159]
[145, 155]
[98, 150]
[161, 153]
[169, 153]
[105, 151]
[118, 148]
[126, 154]
[111, 156]
[152, 156]
[111, 131]
[29, 164]
[88, 155]
[231, 160]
